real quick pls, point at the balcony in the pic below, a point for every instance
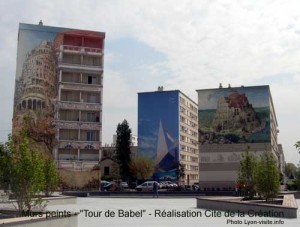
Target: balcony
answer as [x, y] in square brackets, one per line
[80, 49]
[78, 106]
[80, 67]
[81, 87]
[76, 165]
[77, 59]
[75, 144]
[78, 125]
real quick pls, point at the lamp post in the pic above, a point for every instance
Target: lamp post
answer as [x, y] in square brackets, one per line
[99, 172]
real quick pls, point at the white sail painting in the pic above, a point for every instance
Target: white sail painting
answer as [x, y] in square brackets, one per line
[162, 147]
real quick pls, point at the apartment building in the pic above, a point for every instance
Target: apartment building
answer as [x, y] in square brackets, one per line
[232, 121]
[79, 101]
[60, 74]
[168, 134]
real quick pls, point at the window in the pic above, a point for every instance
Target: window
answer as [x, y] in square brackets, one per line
[71, 58]
[106, 170]
[91, 136]
[92, 79]
[91, 117]
[70, 96]
[91, 60]
[92, 98]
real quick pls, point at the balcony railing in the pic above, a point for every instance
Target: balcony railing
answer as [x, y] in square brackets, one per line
[79, 66]
[78, 105]
[76, 165]
[81, 86]
[82, 49]
[78, 125]
[76, 144]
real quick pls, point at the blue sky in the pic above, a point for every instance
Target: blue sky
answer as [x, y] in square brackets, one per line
[178, 44]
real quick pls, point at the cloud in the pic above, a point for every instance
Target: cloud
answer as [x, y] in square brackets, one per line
[202, 43]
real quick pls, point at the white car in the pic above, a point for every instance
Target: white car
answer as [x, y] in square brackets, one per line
[124, 184]
[147, 186]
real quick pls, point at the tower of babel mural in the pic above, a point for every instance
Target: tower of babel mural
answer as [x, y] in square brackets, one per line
[59, 89]
[234, 114]
[37, 86]
[234, 119]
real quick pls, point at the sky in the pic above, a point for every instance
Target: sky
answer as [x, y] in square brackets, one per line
[178, 44]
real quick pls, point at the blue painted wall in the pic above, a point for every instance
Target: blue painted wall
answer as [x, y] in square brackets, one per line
[158, 116]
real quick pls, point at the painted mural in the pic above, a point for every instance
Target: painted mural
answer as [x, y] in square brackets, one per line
[36, 77]
[234, 115]
[158, 131]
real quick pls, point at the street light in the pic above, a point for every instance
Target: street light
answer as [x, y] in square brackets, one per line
[99, 173]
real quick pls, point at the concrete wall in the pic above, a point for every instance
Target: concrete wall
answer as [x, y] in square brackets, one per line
[234, 204]
[37, 222]
[219, 163]
[61, 200]
[77, 179]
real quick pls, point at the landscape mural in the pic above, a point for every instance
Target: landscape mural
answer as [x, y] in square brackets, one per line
[234, 115]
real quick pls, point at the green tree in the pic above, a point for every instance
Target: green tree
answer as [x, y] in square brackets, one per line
[267, 177]
[180, 171]
[40, 128]
[51, 176]
[26, 173]
[141, 167]
[246, 178]
[123, 148]
[297, 180]
[290, 168]
[297, 145]
[5, 165]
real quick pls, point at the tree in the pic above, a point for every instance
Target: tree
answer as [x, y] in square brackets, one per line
[40, 128]
[267, 177]
[297, 145]
[246, 174]
[297, 180]
[5, 166]
[51, 176]
[123, 148]
[180, 171]
[141, 167]
[290, 169]
[25, 172]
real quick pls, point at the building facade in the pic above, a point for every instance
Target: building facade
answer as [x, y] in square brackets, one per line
[232, 121]
[167, 133]
[133, 140]
[109, 165]
[60, 74]
[79, 101]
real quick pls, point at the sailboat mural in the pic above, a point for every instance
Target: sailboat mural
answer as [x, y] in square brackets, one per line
[166, 162]
[162, 147]
[158, 131]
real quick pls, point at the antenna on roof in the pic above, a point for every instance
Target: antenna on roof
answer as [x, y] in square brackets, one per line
[229, 86]
[220, 85]
[160, 88]
[41, 22]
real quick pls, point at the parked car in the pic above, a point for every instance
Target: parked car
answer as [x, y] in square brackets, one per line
[104, 183]
[112, 186]
[124, 184]
[168, 185]
[147, 186]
